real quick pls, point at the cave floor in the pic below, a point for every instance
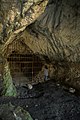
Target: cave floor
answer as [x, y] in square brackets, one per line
[47, 101]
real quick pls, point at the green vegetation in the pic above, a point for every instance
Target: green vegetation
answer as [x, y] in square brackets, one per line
[8, 87]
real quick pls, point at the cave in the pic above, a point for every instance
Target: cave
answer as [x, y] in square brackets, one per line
[24, 67]
[35, 34]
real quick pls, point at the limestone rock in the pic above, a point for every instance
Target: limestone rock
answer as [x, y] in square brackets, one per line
[8, 87]
[30, 86]
[16, 15]
[72, 90]
[54, 36]
[56, 31]
[60, 24]
[10, 112]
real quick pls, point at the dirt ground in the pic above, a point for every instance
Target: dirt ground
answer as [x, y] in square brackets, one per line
[47, 101]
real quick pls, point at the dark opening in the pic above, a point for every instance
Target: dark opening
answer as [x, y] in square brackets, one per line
[24, 65]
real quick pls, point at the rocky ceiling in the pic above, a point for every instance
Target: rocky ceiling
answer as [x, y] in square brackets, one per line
[51, 29]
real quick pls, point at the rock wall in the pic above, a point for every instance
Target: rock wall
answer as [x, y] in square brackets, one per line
[16, 15]
[8, 87]
[56, 30]
[60, 23]
[55, 34]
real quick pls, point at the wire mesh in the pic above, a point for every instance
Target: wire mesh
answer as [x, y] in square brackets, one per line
[24, 65]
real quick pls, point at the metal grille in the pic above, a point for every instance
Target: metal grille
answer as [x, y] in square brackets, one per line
[26, 65]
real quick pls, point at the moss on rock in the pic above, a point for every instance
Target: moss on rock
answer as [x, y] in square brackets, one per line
[8, 87]
[10, 112]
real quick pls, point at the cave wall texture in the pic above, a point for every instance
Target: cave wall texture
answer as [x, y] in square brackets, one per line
[52, 30]
[61, 25]
[56, 30]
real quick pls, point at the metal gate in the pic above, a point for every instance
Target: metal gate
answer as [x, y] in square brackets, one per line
[24, 65]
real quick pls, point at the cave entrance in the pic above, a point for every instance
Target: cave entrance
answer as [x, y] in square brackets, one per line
[24, 67]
